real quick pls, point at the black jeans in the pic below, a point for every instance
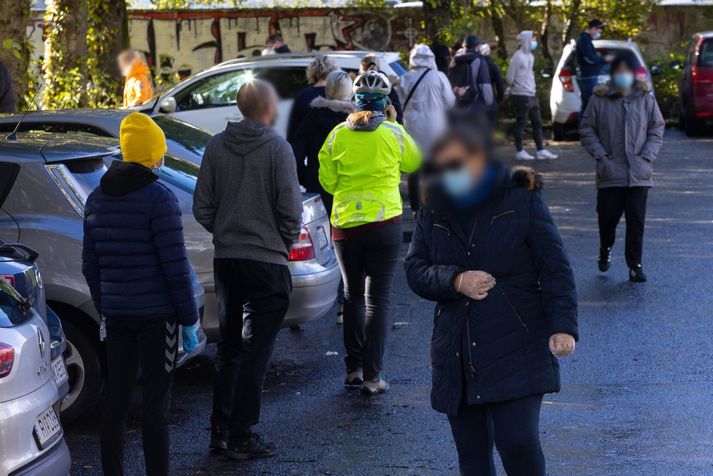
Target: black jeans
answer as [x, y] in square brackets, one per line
[586, 89]
[513, 427]
[368, 262]
[150, 344]
[252, 302]
[527, 107]
[631, 201]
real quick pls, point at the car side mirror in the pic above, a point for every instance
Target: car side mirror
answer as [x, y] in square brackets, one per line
[168, 105]
[655, 70]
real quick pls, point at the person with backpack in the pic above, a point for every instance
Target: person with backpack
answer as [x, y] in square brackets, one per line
[426, 96]
[496, 78]
[470, 80]
[523, 94]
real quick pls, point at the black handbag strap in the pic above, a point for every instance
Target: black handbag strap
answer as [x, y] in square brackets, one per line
[413, 89]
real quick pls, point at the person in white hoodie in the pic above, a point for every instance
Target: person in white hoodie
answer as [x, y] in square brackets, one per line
[426, 97]
[523, 94]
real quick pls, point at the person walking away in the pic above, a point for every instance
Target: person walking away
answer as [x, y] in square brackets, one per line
[523, 94]
[247, 195]
[496, 79]
[274, 44]
[7, 93]
[427, 97]
[371, 62]
[623, 129]
[316, 72]
[443, 56]
[470, 81]
[590, 63]
[138, 87]
[325, 114]
[488, 252]
[366, 220]
[134, 261]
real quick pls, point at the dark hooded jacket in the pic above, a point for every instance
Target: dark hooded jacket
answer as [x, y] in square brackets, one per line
[247, 194]
[624, 134]
[470, 69]
[324, 115]
[495, 349]
[134, 257]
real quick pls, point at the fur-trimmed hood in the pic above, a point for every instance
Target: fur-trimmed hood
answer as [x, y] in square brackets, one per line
[336, 105]
[641, 86]
[527, 178]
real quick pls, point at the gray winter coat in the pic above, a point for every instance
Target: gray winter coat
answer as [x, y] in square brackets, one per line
[624, 134]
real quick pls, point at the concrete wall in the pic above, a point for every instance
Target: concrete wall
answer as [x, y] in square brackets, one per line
[200, 39]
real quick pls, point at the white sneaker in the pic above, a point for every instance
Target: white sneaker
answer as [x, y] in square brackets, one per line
[374, 387]
[354, 378]
[545, 154]
[523, 155]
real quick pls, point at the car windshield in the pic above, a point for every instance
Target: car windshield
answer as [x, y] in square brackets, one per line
[11, 310]
[186, 135]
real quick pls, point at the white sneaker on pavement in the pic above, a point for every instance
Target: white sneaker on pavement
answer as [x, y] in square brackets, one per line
[523, 155]
[374, 387]
[545, 154]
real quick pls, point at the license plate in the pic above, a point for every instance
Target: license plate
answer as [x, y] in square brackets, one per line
[46, 427]
[323, 242]
[60, 371]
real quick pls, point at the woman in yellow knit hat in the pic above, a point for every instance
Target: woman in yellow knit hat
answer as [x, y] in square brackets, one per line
[134, 261]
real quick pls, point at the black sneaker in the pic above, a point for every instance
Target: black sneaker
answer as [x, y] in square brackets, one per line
[604, 259]
[637, 275]
[218, 437]
[252, 447]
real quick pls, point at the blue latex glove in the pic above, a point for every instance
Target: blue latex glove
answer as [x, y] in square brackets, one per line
[190, 337]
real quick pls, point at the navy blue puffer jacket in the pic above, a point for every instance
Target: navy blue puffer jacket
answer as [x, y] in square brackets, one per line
[134, 257]
[495, 349]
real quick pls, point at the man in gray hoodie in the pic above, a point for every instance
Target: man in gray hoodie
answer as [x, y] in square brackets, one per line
[248, 197]
[523, 94]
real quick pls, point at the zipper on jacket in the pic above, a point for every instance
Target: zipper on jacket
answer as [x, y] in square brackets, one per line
[470, 238]
[471, 367]
[514, 310]
[447, 230]
[509, 212]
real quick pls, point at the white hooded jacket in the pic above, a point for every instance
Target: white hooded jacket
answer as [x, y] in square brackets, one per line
[520, 77]
[425, 113]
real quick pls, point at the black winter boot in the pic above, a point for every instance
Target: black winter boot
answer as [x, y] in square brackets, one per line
[604, 259]
[637, 275]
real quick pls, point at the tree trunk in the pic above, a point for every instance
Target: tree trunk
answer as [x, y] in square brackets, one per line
[108, 35]
[437, 14]
[65, 63]
[572, 20]
[545, 34]
[499, 29]
[14, 45]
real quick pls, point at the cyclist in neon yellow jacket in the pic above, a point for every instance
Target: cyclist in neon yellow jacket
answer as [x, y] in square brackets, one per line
[360, 164]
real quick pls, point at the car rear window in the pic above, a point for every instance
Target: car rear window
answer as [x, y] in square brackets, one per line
[179, 173]
[12, 312]
[618, 52]
[705, 54]
[188, 136]
[8, 174]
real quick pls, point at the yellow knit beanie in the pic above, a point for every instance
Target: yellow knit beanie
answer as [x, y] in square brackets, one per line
[142, 141]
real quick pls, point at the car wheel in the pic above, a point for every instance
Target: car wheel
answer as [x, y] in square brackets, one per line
[85, 374]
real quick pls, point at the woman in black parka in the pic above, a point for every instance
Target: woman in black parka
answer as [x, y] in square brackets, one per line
[488, 252]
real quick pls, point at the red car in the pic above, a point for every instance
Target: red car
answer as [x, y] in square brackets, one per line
[696, 86]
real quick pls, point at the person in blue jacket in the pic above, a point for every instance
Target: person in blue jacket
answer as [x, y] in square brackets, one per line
[134, 260]
[590, 62]
[488, 252]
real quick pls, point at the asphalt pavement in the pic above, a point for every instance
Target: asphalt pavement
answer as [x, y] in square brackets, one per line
[637, 396]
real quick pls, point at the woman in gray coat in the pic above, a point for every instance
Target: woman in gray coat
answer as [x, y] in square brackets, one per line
[622, 128]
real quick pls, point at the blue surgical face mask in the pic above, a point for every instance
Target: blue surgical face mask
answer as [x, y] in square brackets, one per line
[533, 45]
[597, 35]
[457, 182]
[623, 80]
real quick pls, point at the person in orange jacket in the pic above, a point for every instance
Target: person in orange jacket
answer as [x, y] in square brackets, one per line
[138, 87]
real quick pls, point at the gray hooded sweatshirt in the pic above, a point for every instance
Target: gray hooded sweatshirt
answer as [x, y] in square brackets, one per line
[520, 77]
[247, 193]
[624, 134]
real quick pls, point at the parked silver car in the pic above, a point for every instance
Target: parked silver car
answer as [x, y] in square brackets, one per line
[52, 177]
[31, 435]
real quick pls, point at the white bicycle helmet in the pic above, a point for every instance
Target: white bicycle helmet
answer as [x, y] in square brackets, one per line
[372, 82]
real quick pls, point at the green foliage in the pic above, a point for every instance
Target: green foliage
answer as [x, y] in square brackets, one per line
[666, 83]
[104, 85]
[624, 18]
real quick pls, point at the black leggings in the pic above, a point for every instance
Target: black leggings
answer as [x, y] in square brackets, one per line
[368, 262]
[513, 427]
[527, 107]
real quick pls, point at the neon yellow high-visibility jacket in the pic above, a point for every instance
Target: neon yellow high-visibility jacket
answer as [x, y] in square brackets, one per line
[361, 166]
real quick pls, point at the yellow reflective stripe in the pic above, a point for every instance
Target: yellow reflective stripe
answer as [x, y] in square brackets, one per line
[333, 136]
[396, 130]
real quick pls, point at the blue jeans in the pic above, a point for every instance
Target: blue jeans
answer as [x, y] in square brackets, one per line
[586, 88]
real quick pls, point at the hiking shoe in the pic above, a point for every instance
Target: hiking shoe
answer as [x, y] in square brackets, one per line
[374, 387]
[218, 437]
[523, 155]
[545, 154]
[637, 275]
[252, 447]
[604, 259]
[354, 378]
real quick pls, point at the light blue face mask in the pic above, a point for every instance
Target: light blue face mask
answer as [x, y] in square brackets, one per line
[458, 182]
[623, 80]
[533, 45]
[597, 35]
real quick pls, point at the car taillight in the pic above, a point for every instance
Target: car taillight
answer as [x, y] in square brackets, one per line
[303, 248]
[7, 358]
[566, 79]
[642, 74]
[9, 279]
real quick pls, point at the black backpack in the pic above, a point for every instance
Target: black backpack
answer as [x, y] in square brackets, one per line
[463, 82]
